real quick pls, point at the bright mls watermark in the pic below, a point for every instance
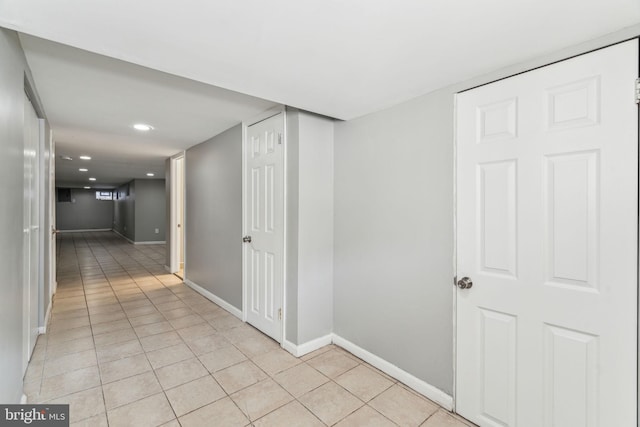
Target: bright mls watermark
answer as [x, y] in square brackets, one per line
[34, 415]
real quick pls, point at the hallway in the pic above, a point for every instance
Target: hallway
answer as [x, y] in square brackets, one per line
[129, 344]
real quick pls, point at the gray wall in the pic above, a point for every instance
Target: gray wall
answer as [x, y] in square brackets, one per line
[84, 212]
[393, 251]
[309, 287]
[12, 77]
[150, 210]
[124, 211]
[167, 207]
[213, 215]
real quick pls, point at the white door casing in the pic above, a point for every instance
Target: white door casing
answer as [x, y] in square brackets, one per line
[263, 255]
[547, 203]
[31, 229]
[176, 225]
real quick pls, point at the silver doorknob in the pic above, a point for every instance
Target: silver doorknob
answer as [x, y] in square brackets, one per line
[246, 239]
[465, 283]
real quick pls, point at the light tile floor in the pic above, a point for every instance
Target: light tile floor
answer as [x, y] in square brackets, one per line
[130, 345]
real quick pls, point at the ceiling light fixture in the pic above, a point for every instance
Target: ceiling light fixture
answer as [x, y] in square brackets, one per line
[83, 170]
[142, 127]
[66, 158]
[92, 179]
[87, 188]
[85, 157]
[150, 174]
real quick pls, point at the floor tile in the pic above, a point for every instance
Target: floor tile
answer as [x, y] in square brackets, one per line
[109, 338]
[150, 411]
[332, 363]
[119, 350]
[363, 382]
[223, 411]
[222, 358]
[261, 398]
[292, 414]
[252, 347]
[330, 402]
[196, 331]
[443, 418]
[300, 379]
[122, 392]
[69, 382]
[239, 376]
[146, 319]
[169, 355]
[108, 327]
[207, 344]
[69, 362]
[123, 368]
[366, 416]
[179, 373]
[95, 421]
[83, 404]
[195, 394]
[403, 407]
[153, 329]
[275, 361]
[158, 341]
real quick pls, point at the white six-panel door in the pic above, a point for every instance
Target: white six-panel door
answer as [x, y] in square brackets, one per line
[264, 223]
[547, 214]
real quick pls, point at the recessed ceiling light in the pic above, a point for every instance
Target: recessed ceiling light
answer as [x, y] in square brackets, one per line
[66, 158]
[83, 170]
[92, 179]
[143, 127]
[150, 174]
[85, 157]
[87, 188]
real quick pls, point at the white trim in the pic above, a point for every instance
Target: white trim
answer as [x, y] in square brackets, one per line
[174, 247]
[86, 230]
[152, 242]
[219, 301]
[23, 399]
[422, 387]
[308, 347]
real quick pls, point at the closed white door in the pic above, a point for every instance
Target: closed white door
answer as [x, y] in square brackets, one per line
[547, 214]
[264, 225]
[31, 228]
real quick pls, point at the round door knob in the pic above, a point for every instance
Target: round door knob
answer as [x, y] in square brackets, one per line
[465, 283]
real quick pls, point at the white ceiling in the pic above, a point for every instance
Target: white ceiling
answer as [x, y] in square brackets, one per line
[340, 58]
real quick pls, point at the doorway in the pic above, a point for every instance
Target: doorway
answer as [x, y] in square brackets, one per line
[177, 223]
[547, 222]
[31, 255]
[263, 223]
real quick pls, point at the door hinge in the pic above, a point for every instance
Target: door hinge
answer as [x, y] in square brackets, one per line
[638, 91]
[279, 138]
[279, 314]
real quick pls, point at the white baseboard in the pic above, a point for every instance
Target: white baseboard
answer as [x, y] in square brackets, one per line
[86, 230]
[222, 303]
[151, 242]
[47, 317]
[299, 350]
[422, 387]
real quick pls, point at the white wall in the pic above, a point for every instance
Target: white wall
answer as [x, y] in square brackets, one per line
[213, 223]
[309, 309]
[13, 71]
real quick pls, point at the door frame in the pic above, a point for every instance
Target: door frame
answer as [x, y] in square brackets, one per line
[245, 125]
[175, 189]
[455, 208]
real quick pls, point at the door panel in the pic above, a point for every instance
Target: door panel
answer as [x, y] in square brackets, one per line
[264, 222]
[547, 202]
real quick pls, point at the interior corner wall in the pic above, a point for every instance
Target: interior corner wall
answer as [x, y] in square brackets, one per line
[394, 241]
[213, 215]
[12, 74]
[150, 210]
[84, 212]
[124, 211]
